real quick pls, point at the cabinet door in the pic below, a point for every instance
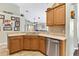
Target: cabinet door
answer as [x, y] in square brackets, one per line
[62, 48]
[14, 44]
[21, 42]
[59, 15]
[42, 45]
[50, 17]
[27, 42]
[34, 43]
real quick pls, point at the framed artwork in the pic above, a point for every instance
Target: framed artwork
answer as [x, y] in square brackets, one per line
[7, 25]
[16, 28]
[7, 28]
[2, 16]
[12, 18]
[17, 24]
[17, 19]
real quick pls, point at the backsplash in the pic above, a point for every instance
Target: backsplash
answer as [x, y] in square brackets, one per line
[57, 29]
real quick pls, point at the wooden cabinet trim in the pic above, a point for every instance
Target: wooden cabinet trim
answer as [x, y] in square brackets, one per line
[59, 15]
[62, 48]
[50, 16]
[62, 17]
[55, 7]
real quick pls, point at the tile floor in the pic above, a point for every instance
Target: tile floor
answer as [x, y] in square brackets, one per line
[4, 52]
[28, 53]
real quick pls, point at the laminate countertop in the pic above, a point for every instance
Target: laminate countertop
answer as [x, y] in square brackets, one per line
[49, 35]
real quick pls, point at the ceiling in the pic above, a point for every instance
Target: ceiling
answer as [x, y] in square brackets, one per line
[33, 10]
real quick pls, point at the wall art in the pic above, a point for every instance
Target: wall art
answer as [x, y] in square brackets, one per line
[16, 28]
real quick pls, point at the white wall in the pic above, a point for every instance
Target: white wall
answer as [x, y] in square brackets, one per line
[10, 7]
[78, 24]
[71, 30]
[35, 10]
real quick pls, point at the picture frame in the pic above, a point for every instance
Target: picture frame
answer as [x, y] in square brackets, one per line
[7, 28]
[12, 18]
[16, 28]
[17, 19]
[17, 23]
[2, 16]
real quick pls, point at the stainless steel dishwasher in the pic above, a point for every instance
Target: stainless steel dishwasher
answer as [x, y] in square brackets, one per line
[52, 47]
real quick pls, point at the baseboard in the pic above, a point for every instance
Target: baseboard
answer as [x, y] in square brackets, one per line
[10, 53]
[29, 50]
[43, 53]
[3, 45]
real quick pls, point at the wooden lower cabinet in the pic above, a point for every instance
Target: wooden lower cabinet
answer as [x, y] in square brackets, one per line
[15, 44]
[42, 44]
[26, 42]
[62, 48]
[34, 43]
[31, 42]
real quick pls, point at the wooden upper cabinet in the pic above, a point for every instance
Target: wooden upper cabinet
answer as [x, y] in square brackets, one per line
[56, 16]
[59, 15]
[50, 17]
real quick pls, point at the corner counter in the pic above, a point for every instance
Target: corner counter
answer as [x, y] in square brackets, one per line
[53, 35]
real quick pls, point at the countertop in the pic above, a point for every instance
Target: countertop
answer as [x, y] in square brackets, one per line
[54, 36]
[45, 34]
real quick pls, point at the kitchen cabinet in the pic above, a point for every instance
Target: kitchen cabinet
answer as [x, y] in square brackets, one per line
[42, 44]
[31, 42]
[62, 48]
[56, 16]
[34, 43]
[26, 42]
[59, 15]
[15, 43]
[50, 18]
